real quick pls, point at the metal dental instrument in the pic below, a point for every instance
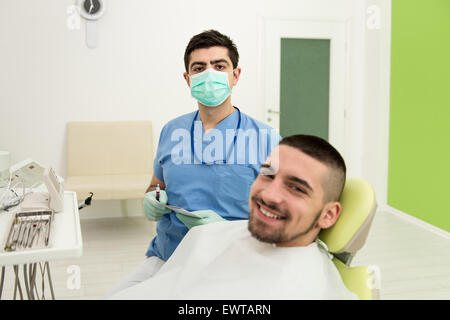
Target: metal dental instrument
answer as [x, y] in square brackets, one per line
[36, 229]
[27, 233]
[11, 236]
[29, 230]
[20, 236]
[48, 232]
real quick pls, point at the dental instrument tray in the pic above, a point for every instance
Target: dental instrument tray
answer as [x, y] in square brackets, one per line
[29, 230]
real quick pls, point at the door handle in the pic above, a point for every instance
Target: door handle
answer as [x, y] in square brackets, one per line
[269, 119]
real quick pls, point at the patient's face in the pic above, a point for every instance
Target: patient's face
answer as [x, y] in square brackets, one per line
[286, 199]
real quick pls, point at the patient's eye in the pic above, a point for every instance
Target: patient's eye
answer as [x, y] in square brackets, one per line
[296, 188]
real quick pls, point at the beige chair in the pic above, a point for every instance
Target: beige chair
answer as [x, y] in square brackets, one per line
[114, 160]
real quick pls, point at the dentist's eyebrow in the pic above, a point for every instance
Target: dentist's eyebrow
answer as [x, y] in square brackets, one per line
[201, 63]
[219, 61]
[197, 62]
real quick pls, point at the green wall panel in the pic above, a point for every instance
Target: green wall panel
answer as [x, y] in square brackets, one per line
[419, 142]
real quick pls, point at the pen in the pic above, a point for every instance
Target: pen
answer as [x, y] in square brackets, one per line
[157, 192]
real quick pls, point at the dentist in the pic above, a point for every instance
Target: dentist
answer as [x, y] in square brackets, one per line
[206, 160]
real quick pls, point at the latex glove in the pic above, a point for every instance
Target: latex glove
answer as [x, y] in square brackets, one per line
[152, 208]
[207, 216]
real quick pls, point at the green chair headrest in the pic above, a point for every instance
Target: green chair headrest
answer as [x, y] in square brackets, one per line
[350, 231]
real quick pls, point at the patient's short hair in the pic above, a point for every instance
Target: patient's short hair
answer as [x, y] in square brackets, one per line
[324, 152]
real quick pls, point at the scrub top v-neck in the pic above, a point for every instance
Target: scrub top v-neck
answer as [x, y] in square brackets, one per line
[210, 181]
[228, 151]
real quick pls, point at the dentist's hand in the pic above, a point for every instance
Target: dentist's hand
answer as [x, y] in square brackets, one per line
[153, 208]
[206, 216]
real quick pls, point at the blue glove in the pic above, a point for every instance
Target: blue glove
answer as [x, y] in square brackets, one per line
[206, 216]
[153, 208]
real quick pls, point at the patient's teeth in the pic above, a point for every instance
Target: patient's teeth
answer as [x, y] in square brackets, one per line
[270, 215]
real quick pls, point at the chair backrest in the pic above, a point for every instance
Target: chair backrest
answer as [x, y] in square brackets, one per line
[349, 234]
[109, 148]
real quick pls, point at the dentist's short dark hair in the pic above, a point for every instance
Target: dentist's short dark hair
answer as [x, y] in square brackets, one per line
[208, 39]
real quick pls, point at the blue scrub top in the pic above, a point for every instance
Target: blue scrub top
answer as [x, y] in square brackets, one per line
[216, 173]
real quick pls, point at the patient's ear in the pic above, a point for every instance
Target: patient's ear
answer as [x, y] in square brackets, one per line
[330, 214]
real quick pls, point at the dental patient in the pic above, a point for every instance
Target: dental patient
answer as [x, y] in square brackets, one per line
[275, 254]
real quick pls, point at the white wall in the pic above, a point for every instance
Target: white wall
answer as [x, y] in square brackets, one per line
[376, 100]
[49, 77]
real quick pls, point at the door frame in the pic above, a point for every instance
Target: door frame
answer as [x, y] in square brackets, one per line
[337, 31]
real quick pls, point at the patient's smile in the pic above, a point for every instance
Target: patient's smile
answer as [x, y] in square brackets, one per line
[267, 214]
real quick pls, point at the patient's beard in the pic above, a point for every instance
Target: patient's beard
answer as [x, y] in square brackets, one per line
[266, 233]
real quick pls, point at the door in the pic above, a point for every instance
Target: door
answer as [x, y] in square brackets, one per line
[305, 78]
[304, 86]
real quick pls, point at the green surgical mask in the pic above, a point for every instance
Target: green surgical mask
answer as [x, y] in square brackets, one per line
[210, 87]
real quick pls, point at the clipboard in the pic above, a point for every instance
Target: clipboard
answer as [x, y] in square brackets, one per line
[182, 211]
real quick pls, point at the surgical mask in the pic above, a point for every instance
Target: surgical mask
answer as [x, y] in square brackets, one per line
[210, 87]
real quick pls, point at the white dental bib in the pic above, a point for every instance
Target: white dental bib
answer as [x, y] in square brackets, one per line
[223, 261]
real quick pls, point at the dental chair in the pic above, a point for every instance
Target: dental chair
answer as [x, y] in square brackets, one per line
[349, 234]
